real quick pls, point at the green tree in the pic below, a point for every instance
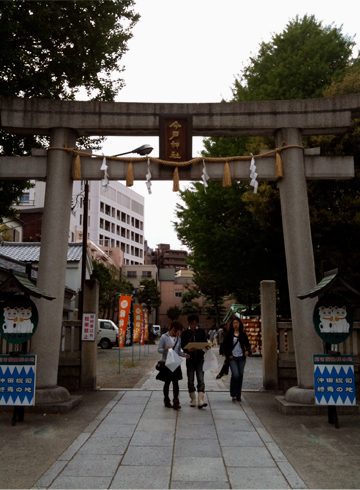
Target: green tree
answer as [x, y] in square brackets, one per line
[52, 50]
[150, 295]
[173, 312]
[227, 244]
[189, 306]
[301, 62]
[111, 285]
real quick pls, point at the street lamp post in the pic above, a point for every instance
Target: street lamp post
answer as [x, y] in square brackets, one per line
[142, 150]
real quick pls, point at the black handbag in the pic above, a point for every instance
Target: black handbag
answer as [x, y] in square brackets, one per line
[160, 365]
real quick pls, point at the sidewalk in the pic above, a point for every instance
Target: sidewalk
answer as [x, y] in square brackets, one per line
[127, 439]
[137, 443]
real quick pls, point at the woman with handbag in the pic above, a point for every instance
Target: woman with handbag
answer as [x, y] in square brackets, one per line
[171, 340]
[236, 349]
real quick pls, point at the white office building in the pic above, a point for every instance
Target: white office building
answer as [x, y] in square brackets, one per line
[116, 218]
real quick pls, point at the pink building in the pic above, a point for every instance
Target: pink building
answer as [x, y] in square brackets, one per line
[172, 286]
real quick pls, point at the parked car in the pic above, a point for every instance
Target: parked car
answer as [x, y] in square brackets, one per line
[107, 333]
[156, 330]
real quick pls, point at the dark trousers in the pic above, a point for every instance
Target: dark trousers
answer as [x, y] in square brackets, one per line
[176, 390]
[195, 366]
[237, 366]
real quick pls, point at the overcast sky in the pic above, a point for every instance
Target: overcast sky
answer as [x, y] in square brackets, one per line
[191, 51]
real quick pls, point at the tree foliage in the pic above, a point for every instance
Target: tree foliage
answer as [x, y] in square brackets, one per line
[110, 288]
[52, 49]
[228, 247]
[173, 312]
[150, 295]
[307, 60]
[189, 306]
[299, 63]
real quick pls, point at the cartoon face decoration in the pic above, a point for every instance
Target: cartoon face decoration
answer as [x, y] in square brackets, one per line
[20, 319]
[333, 323]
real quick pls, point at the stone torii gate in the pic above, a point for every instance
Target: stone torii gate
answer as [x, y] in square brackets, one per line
[65, 121]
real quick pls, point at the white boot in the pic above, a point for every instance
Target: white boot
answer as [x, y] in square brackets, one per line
[201, 403]
[193, 399]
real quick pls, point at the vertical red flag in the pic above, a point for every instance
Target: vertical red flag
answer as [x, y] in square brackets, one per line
[146, 322]
[137, 322]
[142, 341]
[124, 309]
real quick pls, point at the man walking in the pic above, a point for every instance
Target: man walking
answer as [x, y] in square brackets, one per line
[194, 360]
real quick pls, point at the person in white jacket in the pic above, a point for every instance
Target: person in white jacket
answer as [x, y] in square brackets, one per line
[171, 340]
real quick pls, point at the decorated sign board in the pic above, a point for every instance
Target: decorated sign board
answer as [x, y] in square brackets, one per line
[17, 380]
[334, 380]
[333, 319]
[124, 310]
[175, 137]
[138, 320]
[18, 319]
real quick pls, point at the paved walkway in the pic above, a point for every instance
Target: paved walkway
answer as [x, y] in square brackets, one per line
[137, 443]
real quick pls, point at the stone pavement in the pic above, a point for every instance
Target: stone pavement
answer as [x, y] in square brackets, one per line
[135, 442]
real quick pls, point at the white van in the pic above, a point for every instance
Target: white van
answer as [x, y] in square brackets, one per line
[107, 333]
[157, 330]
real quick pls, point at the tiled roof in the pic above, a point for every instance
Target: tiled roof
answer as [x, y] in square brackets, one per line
[10, 264]
[30, 252]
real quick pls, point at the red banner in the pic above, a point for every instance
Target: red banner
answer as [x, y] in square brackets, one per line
[124, 310]
[137, 322]
[146, 322]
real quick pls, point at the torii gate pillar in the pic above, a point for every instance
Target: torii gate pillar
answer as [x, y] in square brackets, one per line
[299, 262]
[52, 266]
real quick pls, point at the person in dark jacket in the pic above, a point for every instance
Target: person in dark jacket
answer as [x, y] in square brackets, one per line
[236, 349]
[194, 360]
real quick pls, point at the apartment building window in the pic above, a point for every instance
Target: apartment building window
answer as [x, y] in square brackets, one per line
[137, 237]
[131, 274]
[122, 246]
[89, 207]
[101, 223]
[112, 228]
[128, 234]
[178, 294]
[132, 250]
[127, 249]
[132, 221]
[128, 219]
[141, 225]
[117, 244]
[112, 243]
[123, 232]
[132, 236]
[140, 253]
[117, 229]
[101, 238]
[80, 219]
[101, 207]
[136, 223]
[81, 202]
[141, 239]
[136, 252]
[146, 274]
[118, 214]
[123, 217]
[107, 209]
[107, 225]
[113, 212]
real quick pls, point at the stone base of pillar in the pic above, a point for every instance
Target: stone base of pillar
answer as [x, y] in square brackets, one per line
[300, 395]
[57, 394]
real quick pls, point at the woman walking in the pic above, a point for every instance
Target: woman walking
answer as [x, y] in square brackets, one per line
[171, 340]
[236, 349]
